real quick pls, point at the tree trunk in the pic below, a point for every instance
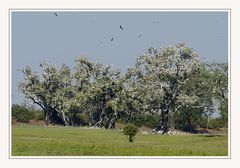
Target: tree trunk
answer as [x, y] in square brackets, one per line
[99, 118]
[171, 119]
[112, 121]
[100, 122]
[130, 107]
[46, 117]
[130, 138]
[163, 126]
[65, 119]
[208, 120]
[54, 116]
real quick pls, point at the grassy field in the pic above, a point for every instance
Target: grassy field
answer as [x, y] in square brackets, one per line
[62, 141]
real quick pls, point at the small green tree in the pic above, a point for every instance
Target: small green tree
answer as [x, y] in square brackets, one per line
[130, 130]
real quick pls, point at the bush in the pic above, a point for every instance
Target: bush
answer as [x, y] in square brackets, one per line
[216, 123]
[150, 121]
[83, 119]
[21, 113]
[38, 115]
[130, 130]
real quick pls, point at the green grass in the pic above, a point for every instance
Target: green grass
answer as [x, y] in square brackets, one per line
[63, 141]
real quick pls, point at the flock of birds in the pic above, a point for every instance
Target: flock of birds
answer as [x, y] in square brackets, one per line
[121, 27]
[139, 36]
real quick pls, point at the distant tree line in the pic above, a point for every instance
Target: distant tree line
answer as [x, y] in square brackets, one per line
[167, 88]
[23, 113]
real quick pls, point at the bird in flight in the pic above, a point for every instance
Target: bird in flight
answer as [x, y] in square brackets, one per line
[155, 22]
[121, 27]
[55, 14]
[112, 39]
[139, 36]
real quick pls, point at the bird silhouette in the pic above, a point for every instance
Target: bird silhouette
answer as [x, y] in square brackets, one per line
[121, 27]
[112, 39]
[55, 14]
[139, 36]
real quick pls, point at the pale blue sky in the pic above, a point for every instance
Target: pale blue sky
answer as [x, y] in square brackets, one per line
[39, 36]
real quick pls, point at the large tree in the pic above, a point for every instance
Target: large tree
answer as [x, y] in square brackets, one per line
[91, 88]
[49, 90]
[162, 76]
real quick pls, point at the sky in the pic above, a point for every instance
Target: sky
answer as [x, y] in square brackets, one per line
[61, 36]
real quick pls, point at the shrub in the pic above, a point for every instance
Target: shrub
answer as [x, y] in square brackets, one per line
[130, 130]
[21, 113]
[38, 115]
[83, 119]
[216, 123]
[150, 121]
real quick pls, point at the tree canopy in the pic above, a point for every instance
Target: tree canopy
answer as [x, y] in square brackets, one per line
[171, 82]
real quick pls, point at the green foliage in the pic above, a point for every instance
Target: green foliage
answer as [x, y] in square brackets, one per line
[38, 114]
[130, 130]
[217, 123]
[149, 121]
[21, 113]
[224, 113]
[84, 119]
[189, 119]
